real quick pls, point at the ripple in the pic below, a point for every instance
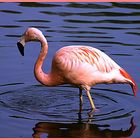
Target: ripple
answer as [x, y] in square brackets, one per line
[133, 33]
[76, 32]
[33, 20]
[10, 84]
[110, 14]
[78, 21]
[127, 5]
[98, 14]
[62, 104]
[101, 42]
[80, 36]
[115, 28]
[104, 21]
[58, 13]
[121, 54]
[37, 4]
[88, 5]
[10, 11]
[9, 26]
[93, 14]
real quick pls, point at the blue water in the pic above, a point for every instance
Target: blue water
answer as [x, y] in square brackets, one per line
[28, 109]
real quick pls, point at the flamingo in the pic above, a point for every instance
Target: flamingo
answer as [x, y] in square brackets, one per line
[79, 65]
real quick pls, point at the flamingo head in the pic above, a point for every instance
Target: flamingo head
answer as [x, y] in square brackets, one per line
[31, 34]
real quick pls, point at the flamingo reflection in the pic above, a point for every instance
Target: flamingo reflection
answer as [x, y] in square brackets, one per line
[83, 130]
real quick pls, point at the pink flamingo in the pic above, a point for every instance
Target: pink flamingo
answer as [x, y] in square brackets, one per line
[82, 66]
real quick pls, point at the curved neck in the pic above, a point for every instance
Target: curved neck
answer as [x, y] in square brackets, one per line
[48, 79]
[38, 72]
[44, 78]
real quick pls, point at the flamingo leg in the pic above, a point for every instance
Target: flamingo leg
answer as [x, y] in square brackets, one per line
[81, 100]
[91, 100]
[80, 97]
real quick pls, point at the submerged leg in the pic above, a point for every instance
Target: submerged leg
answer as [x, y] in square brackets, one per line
[81, 100]
[80, 97]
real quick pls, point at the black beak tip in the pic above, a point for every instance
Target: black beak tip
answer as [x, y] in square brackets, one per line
[20, 48]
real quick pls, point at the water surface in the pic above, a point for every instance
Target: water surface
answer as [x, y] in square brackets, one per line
[28, 109]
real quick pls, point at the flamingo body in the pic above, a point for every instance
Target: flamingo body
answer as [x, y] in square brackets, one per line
[82, 66]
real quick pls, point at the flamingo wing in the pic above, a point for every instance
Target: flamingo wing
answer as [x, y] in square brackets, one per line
[71, 55]
[98, 59]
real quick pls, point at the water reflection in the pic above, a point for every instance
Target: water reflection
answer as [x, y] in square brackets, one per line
[80, 130]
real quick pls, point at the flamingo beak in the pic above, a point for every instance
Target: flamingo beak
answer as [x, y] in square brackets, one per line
[21, 45]
[134, 88]
[129, 80]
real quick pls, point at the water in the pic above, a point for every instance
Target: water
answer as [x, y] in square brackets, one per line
[28, 109]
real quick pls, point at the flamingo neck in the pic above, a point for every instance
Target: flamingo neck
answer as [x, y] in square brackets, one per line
[38, 72]
[48, 79]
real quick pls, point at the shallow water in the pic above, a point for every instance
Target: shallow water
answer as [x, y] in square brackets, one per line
[28, 109]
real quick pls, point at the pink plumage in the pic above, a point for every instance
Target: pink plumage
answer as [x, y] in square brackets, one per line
[82, 66]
